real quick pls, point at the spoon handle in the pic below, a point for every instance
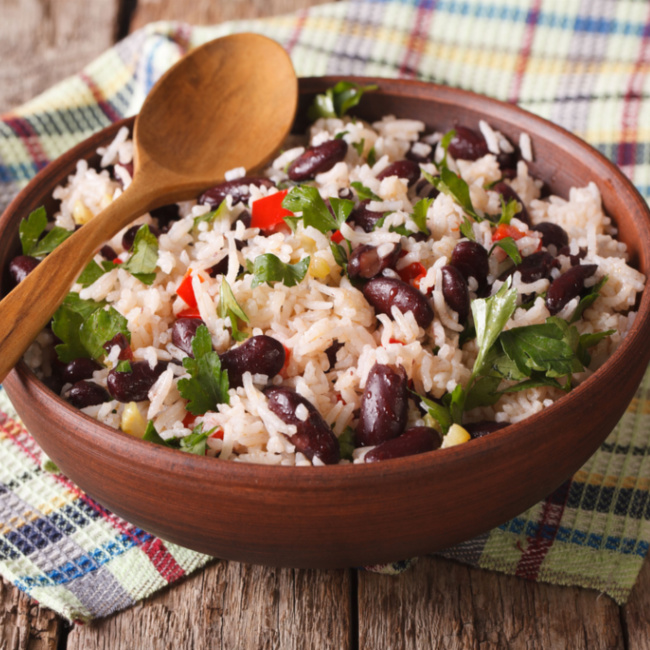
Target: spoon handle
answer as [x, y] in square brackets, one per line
[28, 308]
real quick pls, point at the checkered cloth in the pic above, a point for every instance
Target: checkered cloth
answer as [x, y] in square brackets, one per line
[582, 63]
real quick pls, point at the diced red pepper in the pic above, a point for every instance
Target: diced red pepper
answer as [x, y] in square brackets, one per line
[412, 272]
[396, 341]
[287, 359]
[117, 260]
[337, 237]
[268, 211]
[506, 230]
[190, 312]
[217, 434]
[188, 420]
[185, 291]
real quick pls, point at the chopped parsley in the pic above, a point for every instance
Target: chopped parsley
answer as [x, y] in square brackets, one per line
[363, 192]
[31, 229]
[337, 101]
[208, 383]
[307, 200]
[270, 269]
[230, 308]
[144, 258]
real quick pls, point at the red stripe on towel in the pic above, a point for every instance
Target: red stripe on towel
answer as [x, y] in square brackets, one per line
[417, 40]
[524, 54]
[100, 98]
[23, 129]
[538, 546]
[626, 157]
[162, 559]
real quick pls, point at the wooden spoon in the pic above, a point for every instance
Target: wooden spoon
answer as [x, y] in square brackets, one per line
[229, 103]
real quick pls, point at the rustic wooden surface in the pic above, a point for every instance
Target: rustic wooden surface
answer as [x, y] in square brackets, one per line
[438, 604]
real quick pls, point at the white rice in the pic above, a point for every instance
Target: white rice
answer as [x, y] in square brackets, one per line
[309, 317]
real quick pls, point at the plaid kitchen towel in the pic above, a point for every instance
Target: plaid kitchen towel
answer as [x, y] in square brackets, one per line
[584, 64]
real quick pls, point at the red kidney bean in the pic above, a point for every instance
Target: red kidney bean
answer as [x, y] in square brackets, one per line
[183, 332]
[383, 405]
[239, 189]
[313, 436]
[346, 193]
[262, 355]
[165, 215]
[424, 188]
[134, 386]
[403, 169]
[318, 159]
[384, 293]
[483, 428]
[455, 291]
[129, 236]
[552, 235]
[471, 259]
[364, 218]
[509, 194]
[126, 354]
[108, 253]
[331, 353]
[467, 144]
[574, 259]
[220, 268]
[79, 369]
[86, 393]
[534, 267]
[568, 286]
[364, 262]
[416, 440]
[20, 267]
[508, 163]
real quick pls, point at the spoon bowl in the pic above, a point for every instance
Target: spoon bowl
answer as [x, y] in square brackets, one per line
[187, 136]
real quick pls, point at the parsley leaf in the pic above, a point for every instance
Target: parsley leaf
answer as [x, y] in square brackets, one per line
[467, 230]
[308, 201]
[93, 272]
[31, 228]
[453, 185]
[508, 245]
[588, 299]
[230, 308]
[124, 366]
[195, 443]
[363, 192]
[359, 146]
[53, 238]
[84, 326]
[419, 215]
[439, 413]
[214, 215]
[346, 443]
[444, 144]
[508, 210]
[340, 255]
[142, 262]
[371, 159]
[101, 326]
[152, 435]
[269, 268]
[208, 385]
[336, 101]
[490, 317]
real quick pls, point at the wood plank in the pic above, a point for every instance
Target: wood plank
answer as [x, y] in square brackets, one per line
[205, 12]
[23, 624]
[444, 604]
[635, 613]
[231, 605]
[44, 41]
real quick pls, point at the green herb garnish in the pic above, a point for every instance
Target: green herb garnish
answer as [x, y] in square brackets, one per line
[270, 269]
[230, 308]
[337, 101]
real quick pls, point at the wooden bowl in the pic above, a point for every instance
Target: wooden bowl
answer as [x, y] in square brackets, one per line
[351, 515]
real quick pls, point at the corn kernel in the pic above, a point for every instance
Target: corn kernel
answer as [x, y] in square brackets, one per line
[319, 268]
[455, 436]
[132, 421]
[81, 213]
[308, 243]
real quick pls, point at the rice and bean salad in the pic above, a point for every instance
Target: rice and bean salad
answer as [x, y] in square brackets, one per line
[380, 290]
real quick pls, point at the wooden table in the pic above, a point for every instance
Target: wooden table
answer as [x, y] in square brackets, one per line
[438, 604]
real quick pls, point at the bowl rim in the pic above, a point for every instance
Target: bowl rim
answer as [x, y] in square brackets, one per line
[289, 477]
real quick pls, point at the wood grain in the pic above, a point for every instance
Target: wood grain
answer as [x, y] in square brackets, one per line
[23, 624]
[231, 605]
[443, 604]
[205, 12]
[44, 41]
[636, 613]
